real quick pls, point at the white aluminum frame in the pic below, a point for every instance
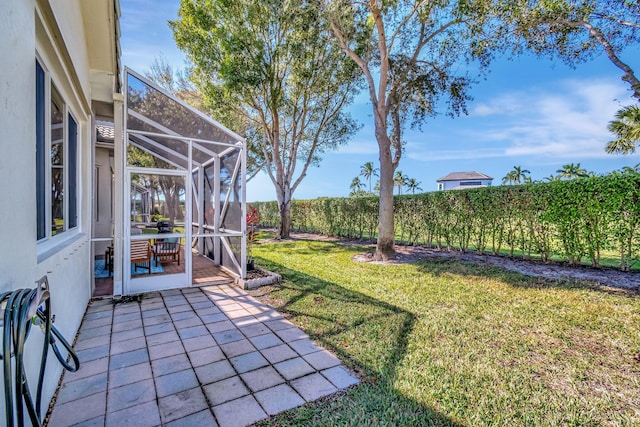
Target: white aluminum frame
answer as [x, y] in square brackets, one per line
[132, 285]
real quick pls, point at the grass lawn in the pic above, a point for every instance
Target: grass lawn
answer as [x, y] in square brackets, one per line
[447, 343]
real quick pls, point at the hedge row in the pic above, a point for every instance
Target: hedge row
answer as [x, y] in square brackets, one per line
[574, 220]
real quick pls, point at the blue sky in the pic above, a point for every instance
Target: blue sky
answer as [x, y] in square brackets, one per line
[532, 112]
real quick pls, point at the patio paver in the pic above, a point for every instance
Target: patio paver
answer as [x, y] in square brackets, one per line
[210, 356]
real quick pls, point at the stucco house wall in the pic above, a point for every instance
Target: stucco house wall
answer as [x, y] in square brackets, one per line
[463, 180]
[54, 32]
[450, 185]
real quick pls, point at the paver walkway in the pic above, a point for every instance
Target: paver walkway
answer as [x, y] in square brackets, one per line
[198, 356]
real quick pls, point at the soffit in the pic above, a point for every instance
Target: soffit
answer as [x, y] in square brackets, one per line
[100, 18]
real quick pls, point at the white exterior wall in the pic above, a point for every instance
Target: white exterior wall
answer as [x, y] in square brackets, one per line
[17, 162]
[448, 185]
[67, 261]
[69, 20]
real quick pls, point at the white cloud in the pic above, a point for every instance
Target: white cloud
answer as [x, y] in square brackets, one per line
[438, 155]
[508, 104]
[360, 147]
[565, 120]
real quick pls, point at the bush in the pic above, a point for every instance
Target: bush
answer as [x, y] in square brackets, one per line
[575, 220]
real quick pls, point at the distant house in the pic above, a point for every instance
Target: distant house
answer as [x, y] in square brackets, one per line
[463, 180]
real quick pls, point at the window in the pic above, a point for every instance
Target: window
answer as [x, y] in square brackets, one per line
[468, 183]
[57, 163]
[56, 160]
[440, 186]
[72, 161]
[40, 153]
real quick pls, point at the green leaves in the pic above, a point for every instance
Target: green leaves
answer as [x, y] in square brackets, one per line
[626, 127]
[576, 220]
[272, 66]
[576, 31]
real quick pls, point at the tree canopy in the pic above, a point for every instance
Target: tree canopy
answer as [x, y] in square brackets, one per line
[409, 53]
[577, 30]
[271, 64]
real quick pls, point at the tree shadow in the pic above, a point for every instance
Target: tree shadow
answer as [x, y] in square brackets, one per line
[370, 336]
[447, 266]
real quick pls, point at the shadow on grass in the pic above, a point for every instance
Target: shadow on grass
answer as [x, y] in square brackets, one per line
[440, 267]
[370, 336]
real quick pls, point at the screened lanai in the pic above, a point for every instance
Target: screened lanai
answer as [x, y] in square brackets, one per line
[193, 169]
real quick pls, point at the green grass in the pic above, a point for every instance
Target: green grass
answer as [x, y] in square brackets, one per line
[608, 258]
[448, 343]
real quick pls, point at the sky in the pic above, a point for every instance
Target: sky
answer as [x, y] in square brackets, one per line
[531, 112]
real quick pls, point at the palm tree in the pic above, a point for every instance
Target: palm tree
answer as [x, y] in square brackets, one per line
[627, 129]
[368, 171]
[629, 169]
[400, 180]
[356, 185]
[517, 176]
[571, 171]
[413, 185]
[551, 178]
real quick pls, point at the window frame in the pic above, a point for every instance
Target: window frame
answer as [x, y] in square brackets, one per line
[46, 237]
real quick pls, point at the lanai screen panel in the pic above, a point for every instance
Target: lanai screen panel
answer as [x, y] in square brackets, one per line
[150, 110]
[172, 158]
[159, 124]
[231, 193]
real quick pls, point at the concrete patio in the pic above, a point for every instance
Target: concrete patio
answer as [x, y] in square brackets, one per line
[198, 356]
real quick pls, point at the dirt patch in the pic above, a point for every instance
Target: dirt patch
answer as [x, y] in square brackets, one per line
[257, 273]
[553, 271]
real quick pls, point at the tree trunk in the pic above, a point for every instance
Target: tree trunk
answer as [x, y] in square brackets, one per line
[386, 232]
[284, 208]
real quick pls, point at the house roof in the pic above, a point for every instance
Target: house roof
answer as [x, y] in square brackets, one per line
[105, 132]
[463, 176]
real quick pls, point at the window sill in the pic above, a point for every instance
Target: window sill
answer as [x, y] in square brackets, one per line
[49, 248]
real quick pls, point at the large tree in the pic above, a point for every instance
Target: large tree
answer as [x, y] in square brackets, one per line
[576, 30]
[410, 53]
[272, 63]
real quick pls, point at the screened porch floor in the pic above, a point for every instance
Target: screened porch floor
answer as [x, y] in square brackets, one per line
[205, 271]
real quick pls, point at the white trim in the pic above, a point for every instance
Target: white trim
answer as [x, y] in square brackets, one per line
[177, 136]
[161, 147]
[51, 244]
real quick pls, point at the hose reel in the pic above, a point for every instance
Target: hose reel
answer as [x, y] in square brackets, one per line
[20, 310]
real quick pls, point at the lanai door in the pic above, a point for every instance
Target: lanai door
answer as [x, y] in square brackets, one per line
[160, 257]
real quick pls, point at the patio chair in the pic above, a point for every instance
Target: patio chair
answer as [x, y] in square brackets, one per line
[167, 250]
[141, 254]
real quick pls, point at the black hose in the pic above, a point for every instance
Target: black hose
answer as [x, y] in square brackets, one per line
[22, 309]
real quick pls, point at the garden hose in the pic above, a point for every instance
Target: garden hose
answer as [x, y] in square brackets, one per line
[22, 309]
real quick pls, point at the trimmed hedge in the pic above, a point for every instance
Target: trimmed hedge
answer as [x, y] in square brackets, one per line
[575, 220]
